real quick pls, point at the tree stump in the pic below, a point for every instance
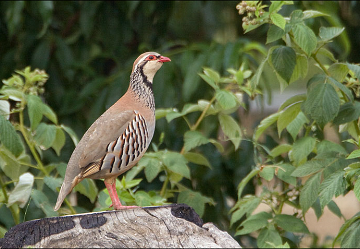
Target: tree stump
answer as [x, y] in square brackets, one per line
[176, 225]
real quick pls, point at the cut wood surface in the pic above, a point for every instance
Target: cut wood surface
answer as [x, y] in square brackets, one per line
[172, 226]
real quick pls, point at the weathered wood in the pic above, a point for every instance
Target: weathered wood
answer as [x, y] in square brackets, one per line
[171, 226]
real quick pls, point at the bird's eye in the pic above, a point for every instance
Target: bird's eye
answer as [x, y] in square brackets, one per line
[151, 57]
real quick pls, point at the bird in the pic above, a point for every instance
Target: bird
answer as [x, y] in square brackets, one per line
[118, 139]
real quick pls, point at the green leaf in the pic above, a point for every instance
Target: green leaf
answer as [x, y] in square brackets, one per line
[45, 135]
[357, 189]
[49, 113]
[325, 146]
[10, 165]
[301, 68]
[209, 80]
[194, 200]
[88, 188]
[194, 139]
[42, 202]
[341, 87]
[71, 133]
[21, 193]
[290, 223]
[327, 53]
[334, 208]
[308, 168]
[287, 116]
[268, 238]
[328, 33]
[12, 93]
[246, 206]
[215, 76]
[334, 185]
[226, 99]
[177, 163]
[322, 104]
[142, 199]
[35, 110]
[197, 158]
[152, 168]
[296, 17]
[267, 173]
[355, 69]
[293, 100]
[295, 126]
[265, 123]
[354, 154]
[302, 148]
[188, 108]
[284, 60]
[305, 38]
[280, 149]
[313, 14]
[338, 71]
[253, 223]
[231, 129]
[278, 20]
[254, 82]
[309, 192]
[284, 173]
[350, 238]
[53, 182]
[274, 33]
[5, 109]
[347, 113]
[9, 138]
[59, 141]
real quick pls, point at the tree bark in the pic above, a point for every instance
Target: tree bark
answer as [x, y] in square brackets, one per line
[171, 226]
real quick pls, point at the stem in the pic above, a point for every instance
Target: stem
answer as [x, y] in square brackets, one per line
[320, 64]
[163, 189]
[14, 214]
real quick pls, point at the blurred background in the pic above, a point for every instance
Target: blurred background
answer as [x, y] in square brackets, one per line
[87, 49]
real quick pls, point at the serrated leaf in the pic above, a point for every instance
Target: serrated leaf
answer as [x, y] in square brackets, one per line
[347, 113]
[197, 158]
[274, 33]
[226, 99]
[284, 60]
[354, 154]
[231, 129]
[267, 173]
[308, 168]
[334, 208]
[333, 185]
[254, 82]
[322, 104]
[296, 17]
[268, 238]
[292, 100]
[88, 188]
[302, 148]
[194, 139]
[312, 14]
[21, 193]
[278, 20]
[45, 135]
[177, 163]
[253, 223]
[295, 126]
[9, 138]
[245, 206]
[53, 182]
[5, 109]
[280, 149]
[341, 87]
[212, 74]
[350, 238]
[328, 33]
[284, 173]
[265, 123]
[305, 38]
[287, 116]
[301, 68]
[142, 199]
[42, 202]
[59, 141]
[309, 192]
[10, 165]
[355, 69]
[35, 110]
[357, 189]
[152, 169]
[327, 53]
[290, 223]
[338, 71]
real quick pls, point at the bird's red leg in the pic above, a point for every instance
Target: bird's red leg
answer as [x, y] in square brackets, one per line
[114, 197]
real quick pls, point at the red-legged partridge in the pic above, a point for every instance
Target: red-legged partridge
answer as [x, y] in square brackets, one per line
[117, 140]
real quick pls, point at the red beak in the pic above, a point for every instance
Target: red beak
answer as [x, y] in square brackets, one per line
[164, 59]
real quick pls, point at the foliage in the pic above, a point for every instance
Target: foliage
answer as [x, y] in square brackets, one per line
[201, 154]
[303, 152]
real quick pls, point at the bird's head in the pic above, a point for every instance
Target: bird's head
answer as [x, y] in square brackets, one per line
[149, 63]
